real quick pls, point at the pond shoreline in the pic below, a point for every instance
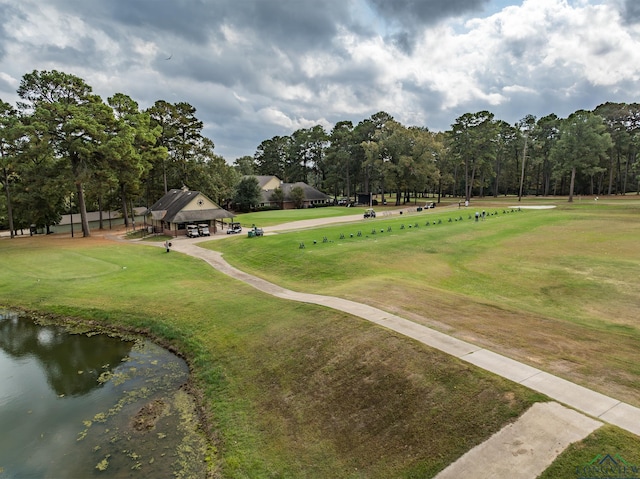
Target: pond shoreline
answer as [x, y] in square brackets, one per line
[77, 325]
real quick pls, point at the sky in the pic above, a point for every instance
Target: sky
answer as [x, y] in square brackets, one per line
[254, 69]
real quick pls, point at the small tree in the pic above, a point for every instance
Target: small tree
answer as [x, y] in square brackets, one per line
[278, 197]
[297, 196]
[248, 193]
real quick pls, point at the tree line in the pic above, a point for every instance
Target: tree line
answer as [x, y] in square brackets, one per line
[589, 152]
[63, 149]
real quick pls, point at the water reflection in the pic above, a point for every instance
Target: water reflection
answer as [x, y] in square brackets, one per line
[78, 406]
[71, 363]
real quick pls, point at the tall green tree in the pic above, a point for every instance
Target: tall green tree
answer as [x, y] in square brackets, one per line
[337, 167]
[423, 173]
[583, 141]
[473, 137]
[271, 157]
[361, 162]
[212, 175]
[132, 149]
[506, 138]
[373, 134]
[444, 162]
[162, 115]
[544, 136]
[623, 124]
[74, 121]
[188, 142]
[11, 133]
[396, 143]
[180, 133]
[306, 154]
[525, 126]
[245, 165]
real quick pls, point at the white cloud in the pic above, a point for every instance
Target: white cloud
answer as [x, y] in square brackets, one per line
[251, 78]
[8, 79]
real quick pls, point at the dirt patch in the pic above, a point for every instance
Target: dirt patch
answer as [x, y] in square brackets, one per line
[148, 416]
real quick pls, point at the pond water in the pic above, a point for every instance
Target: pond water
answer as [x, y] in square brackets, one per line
[78, 405]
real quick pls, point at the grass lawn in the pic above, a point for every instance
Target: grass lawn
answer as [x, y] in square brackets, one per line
[557, 289]
[294, 390]
[289, 390]
[581, 459]
[274, 217]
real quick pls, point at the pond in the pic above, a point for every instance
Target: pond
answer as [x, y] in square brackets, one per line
[79, 405]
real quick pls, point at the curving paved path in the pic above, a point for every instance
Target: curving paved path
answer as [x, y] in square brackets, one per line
[531, 443]
[578, 397]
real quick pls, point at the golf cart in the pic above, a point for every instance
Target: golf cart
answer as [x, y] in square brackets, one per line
[234, 228]
[192, 231]
[255, 231]
[370, 213]
[203, 230]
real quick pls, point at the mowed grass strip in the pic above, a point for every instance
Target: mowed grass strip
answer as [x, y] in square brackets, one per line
[582, 459]
[557, 289]
[291, 390]
[275, 217]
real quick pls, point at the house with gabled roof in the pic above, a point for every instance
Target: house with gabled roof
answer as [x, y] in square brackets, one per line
[180, 207]
[312, 196]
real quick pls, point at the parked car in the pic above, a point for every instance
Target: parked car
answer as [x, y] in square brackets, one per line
[370, 213]
[192, 231]
[234, 228]
[203, 230]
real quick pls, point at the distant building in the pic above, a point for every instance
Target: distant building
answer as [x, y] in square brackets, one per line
[96, 219]
[312, 196]
[178, 208]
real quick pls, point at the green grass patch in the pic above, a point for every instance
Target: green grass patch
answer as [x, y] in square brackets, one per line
[553, 288]
[276, 217]
[290, 390]
[294, 390]
[588, 458]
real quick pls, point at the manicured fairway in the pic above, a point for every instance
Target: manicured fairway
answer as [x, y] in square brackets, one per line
[557, 289]
[292, 390]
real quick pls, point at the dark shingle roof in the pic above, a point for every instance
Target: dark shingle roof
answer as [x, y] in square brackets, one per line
[310, 193]
[263, 180]
[169, 208]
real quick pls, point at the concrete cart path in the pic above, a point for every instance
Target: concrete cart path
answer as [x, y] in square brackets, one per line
[583, 399]
[525, 448]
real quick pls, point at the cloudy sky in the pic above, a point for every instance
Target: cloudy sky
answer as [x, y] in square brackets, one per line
[259, 68]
